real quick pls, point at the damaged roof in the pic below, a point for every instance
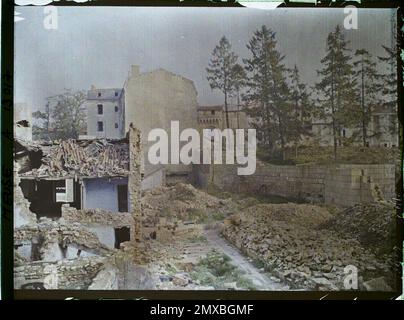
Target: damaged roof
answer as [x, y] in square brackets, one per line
[82, 158]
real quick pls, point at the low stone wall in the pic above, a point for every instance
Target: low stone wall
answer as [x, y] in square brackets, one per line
[67, 274]
[342, 185]
[50, 238]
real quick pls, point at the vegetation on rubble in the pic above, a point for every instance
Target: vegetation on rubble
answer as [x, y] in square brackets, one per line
[217, 271]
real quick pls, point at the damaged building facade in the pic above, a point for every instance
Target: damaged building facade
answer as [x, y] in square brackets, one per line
[76, 202]
[22, 121]
[149, 100]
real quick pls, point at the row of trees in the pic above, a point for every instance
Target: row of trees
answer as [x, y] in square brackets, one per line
[63, 117]
[283, 106]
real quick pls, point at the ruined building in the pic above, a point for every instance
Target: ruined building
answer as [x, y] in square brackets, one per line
[76, 201]
[22, 121]
[148, 100]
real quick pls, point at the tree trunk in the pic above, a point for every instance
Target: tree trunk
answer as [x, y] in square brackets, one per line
[238, 109]
[225, 109]
[334, 133]
[280, 126]
[364, 133]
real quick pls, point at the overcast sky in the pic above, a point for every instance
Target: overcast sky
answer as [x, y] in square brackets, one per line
[98, 45]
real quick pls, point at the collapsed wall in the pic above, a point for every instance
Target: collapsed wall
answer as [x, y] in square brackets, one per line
[71, 274]
[74, 248]
[102, 222]
[22, 214]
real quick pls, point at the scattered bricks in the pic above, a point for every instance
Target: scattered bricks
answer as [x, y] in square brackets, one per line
[69, 274]
[91, 158]
[308, 247]
[96, 216]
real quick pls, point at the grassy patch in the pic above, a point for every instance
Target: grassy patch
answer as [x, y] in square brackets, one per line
[217, 271]
[170, 268]
[197, 215]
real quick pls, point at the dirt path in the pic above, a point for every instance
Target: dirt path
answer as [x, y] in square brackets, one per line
[260, 280]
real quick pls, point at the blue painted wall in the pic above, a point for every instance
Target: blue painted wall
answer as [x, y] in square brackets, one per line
[102, 193]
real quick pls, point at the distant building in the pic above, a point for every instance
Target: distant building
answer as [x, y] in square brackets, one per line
[215, 117]
[382, 131]
[148, 100]
[22, 121]
[105, 113]
[384, 128]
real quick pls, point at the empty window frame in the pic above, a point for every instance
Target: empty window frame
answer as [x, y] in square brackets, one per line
[100, 126]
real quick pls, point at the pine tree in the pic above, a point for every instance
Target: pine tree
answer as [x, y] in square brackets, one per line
[268, 89]
[220, 70]
[389, 90]
[367, 79]
[238, 80]
[302, 113]
[337, 94]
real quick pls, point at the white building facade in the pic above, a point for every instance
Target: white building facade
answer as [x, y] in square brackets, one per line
[105, 113]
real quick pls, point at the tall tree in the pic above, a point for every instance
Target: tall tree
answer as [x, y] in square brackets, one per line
[238, 80]
[302, 113]
[389, 90]
[267, 89]
[336, 88]
[69, 114]
[220, 70]
[367, 78]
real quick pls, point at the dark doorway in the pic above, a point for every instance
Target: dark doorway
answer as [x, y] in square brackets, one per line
[42, 196]
[121, 235]
[123, 198]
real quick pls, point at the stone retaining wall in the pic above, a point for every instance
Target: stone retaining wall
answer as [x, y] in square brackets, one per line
[342, 185]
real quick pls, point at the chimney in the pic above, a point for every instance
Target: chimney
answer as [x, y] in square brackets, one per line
[93, 87]
[135, 70]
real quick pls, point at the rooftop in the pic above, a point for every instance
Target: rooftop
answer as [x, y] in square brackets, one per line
[78, 158]
[104, 94]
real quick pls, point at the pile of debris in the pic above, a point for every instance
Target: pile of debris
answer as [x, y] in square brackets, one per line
[292, 244]
[96, 216]
[49, 239]
[93, 158]
[65, 275]
[182, 202]
[372, 224]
